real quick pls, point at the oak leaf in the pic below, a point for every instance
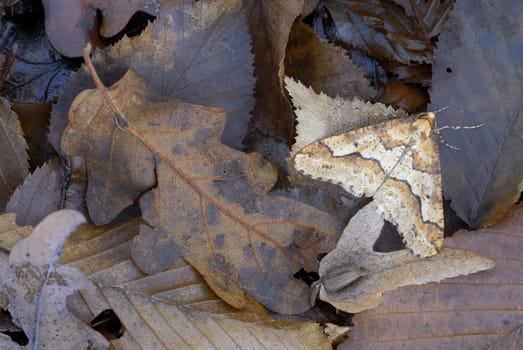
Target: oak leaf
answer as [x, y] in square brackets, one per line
[211, 204]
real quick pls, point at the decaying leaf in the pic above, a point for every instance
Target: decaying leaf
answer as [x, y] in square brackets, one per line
[323, 66]
[510, 341]
[389, 31]
[13, 158]
[197, 51]
[320, 116]
[211, 204]
[353, 277]
[39, 195]
[37, 287]
[270, 24]
[172, 309]
[485, 177]
[72, 24]
[467, 312]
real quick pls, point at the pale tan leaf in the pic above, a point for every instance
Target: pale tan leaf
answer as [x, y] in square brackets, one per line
[172, 309]
[13, 158]
[467, 312]
[353, 277]
[37, 288]
[320, 116]
[323, 66]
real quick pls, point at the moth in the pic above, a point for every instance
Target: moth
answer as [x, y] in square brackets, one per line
[395, 162]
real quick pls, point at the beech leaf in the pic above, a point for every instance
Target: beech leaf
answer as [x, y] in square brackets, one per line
[485, 177]
[353, 277]
[39, 195]
[320, 116]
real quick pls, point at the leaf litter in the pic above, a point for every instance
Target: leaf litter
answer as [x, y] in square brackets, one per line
[121, 281]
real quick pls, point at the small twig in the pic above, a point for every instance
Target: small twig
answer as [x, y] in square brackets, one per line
[117, 116]
[8, 63]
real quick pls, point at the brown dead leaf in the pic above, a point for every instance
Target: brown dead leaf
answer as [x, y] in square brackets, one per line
[467, 312]
[72, 24]
[39, 195]
[172, 309]
[320, 116]
[511, 341]
[323, 66]
[196, 51]
[353, 277]
[37, 288]
[211, 204]
[13, 158]
[270, 24]
[388, 31]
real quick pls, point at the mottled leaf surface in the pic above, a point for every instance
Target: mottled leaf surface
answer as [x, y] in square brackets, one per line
[468, 312]
[37, 287]
[484, 178]
[211, 204]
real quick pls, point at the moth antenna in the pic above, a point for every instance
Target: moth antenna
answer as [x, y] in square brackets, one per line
[451, 127]
[441, 109]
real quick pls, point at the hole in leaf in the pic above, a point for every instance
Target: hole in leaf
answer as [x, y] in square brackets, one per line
[10, 329]
[389, 239]
[134, 27]
[108, 324]
[449, 70]
[307, 277]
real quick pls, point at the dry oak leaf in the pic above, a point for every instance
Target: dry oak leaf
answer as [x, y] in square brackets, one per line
[397, 163]
[37, 287]
[478, 71]
[70, 25]
[197, 51]
[467, 312]
[13, 158]
[171, 309]
[353, 277]
[323, 66]
[211, 204]
[320, 116]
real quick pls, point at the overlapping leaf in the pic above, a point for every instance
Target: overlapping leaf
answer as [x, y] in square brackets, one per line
[72, 24]
[211, 204]
[468, 312]
[484, 178]
[196, 51]
[13, 159]
[174, 308]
